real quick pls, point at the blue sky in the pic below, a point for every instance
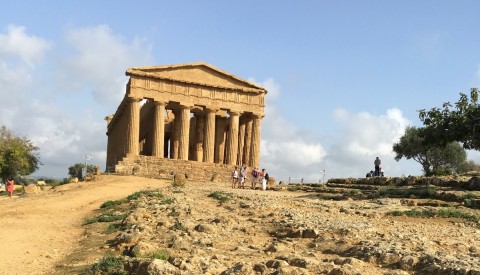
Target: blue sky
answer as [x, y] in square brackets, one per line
[344, 77]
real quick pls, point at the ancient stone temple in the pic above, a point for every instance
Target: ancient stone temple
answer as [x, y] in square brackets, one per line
[189, 117]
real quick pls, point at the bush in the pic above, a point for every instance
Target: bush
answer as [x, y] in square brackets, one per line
[220, 196]
[161, 255]
[146, 193]
[109, 204]
[107, 217]
[114, 227]
[109, 264]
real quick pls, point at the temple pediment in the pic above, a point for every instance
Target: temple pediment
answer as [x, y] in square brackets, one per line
[196, 73]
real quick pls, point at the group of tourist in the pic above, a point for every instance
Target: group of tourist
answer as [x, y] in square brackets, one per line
[240, 177]
[378, 169]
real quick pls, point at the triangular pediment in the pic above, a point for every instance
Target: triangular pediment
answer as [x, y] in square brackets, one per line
[196, 73]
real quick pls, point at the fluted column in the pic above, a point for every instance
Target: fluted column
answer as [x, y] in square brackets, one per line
[220, 139]
[232, 142]
[175, 140]
[158, 138]
[248, 141]
[241, 140]
[133, 128]
[209, 138]
[184, 132]
[255, 148]
[199, 136]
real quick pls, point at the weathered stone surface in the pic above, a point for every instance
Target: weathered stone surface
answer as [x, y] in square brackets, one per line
[32, 189]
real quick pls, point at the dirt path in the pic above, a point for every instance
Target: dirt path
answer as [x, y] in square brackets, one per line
[40, 230]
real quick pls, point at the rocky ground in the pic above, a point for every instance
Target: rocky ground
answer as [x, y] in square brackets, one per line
[335, 228]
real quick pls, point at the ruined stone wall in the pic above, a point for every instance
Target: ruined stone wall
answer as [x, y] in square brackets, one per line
[166, 168]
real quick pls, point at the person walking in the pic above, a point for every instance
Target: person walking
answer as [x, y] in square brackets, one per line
[10, 186]
[377, 163]
[255, 174]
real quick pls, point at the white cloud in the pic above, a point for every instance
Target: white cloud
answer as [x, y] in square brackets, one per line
[16, 43]
[100, 60]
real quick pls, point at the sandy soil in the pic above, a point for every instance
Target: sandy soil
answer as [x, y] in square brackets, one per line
[39, 230]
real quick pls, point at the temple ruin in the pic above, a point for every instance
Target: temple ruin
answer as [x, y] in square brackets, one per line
[192, 118]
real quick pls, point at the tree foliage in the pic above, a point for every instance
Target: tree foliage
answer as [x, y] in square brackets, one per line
[76, 169]
[460, 122]
[18, 155]
[435, 159]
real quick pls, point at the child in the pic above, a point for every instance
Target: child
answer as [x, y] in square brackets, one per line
[10, 186]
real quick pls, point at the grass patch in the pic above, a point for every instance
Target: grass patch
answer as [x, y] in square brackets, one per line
[161, 255]
[398, 192]
[145, 193]
[441, 213]
[107, 217]
[109, 264]
[173, 214]
[114, 227]
[167, 201]
[220, 196]
[109, 204]
[177, 226]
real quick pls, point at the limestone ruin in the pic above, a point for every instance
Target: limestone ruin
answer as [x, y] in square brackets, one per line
[192, 118]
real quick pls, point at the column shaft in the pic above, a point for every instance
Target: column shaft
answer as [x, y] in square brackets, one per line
[220, 139]
[184, 132]
[175, 140]
[199, 136]
[248, 141]
[209, 139]
[241, 141]
[232, 142]
[255, 148]
[158, 138]
[133, 127]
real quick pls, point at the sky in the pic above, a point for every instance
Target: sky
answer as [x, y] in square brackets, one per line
[344, 78]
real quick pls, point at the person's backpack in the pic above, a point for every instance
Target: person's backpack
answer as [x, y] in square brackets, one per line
[254, 173]
[266, 176]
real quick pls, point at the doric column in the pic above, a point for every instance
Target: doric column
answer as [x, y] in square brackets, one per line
[255, 148]
[133, 128]
[248, 140]
[209, 138]
[232, 142]
[175, 140]
[158, 138]
[220, 139]
[184, 132]
[199, 135]
[241, 140]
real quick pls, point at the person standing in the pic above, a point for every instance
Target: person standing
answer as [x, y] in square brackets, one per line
[377, 163]
[10, 186]
[255, 173]
[243, 176]
[264, 178]
[234, 177]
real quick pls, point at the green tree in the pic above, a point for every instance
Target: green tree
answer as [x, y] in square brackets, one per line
[18, 155]
[468, 166]
[76, 169]
[454, 123]
[435, 159]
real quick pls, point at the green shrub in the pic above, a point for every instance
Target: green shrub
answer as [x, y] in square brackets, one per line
[114, 227]
[173, 214]
[107, 217]
[177, 226]
[108, 204]
[146, 193]
[220, 196]
[109, 264]
[161, 255]
[167, 201]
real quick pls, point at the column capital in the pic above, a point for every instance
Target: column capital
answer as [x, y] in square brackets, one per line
[234, 112]
[159, 103]
[134, 99]
[186, 105]
[258, 115]
[211, 108]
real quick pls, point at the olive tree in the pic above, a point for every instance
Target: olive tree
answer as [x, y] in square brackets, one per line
[435, 159]
[18, 155]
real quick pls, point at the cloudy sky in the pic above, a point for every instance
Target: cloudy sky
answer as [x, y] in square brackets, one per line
[344, 77]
